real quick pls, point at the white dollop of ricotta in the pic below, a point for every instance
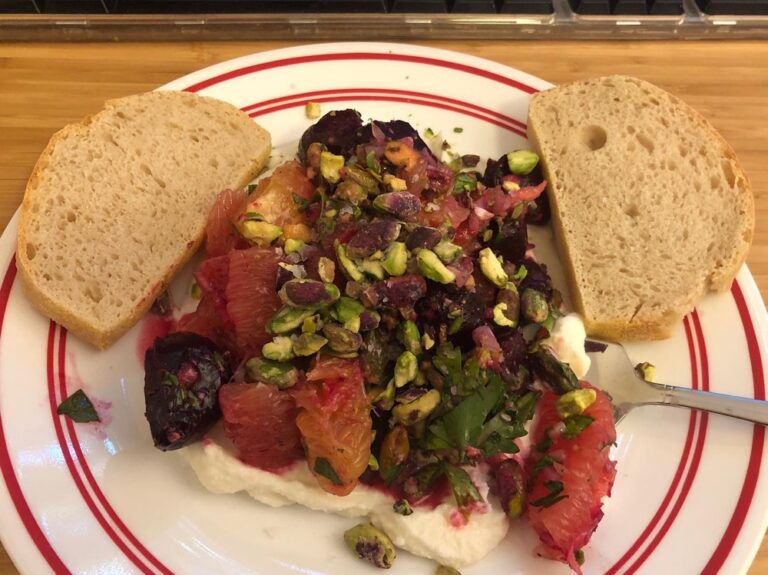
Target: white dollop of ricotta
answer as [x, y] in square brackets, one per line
[440, 534]
[566, 341]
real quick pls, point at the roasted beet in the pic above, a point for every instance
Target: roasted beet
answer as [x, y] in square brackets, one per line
[537, 278]
[397, 130]
[511, 241]
[340, 131]
[182, 375]
[397, 292]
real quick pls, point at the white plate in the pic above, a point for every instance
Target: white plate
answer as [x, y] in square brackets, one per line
[691, 494]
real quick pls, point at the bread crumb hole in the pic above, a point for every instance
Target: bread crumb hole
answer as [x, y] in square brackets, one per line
[632, 211]
[646, 142]
[593, 137]
[94, 293]
[714, 182]
[671, 165]
[71, 216]
[631, 130]
[213, 162]
[730, 177]
[31, 251]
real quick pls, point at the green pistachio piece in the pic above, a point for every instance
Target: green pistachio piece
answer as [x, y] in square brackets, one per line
[445, 570]
[575, 402]
[261, 231]
[372, 268]
[312, 110]
[406, 368]
[491, 267]
[279, 349]
[326, 269]
[418, 409]
[402, 507]
[371, 544]
[312, 324]
[292, 245]
[330, 164]
[386, 399]
[432, 268]
[645, 370]
[507, 309]
[349, 267]
[308, 294]
[410, 337]
[522, 162]
[447, 251]
[308, 344]
[396, 259]
[342, 340]
[499, 316]
[534, 306]
[282, 375]
[427, 341]
[287, 319]
[347, 309]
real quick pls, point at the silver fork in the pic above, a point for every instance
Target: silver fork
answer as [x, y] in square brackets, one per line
[613, 372]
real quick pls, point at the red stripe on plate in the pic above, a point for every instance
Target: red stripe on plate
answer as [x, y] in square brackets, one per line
[678, 476]
[87, 470]
[360, 56]
[6, 466]
[733, 529]
[384, 98]
[697, 452]
[304, 97]
[68, 455]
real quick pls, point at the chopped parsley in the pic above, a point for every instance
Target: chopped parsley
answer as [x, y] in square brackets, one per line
[78, 408]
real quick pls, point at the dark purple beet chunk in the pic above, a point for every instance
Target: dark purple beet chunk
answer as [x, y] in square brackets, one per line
[340, 131]
[182, 376]
[537, 278]
[511, 241]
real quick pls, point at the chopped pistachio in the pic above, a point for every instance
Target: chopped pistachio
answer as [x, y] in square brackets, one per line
[522, 162]
[445, 570]
[349, 267]
[260, 231]
[330, 164]
[575, 402]
[370, 544]
[279, 349]
[487, 235]
[447, 251]
[326, 269]
[353, 324]
[282, 375]
[311, 324]
[308, 344]
[510, 186]
[195, 291]
[287, 319]
[386, 399]
[406, 368]
[499, 317]
[373, 463]
[427, 341]
[308, 294]
[312, 110]
[395, 184]
[491, 267]
[418, 409]
[432, 268]
[410, 337]
[534, 306]
[292, 245]
[396, 259]
[347, 309]
[372, 268]
[342, 340]
[645, 370]
[402, 507]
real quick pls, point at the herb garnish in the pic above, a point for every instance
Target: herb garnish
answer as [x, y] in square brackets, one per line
[464, 491]
[555, 488]
[78, 408]
[575, 424]
[324, 468]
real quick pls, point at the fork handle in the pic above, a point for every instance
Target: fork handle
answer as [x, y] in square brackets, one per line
[753, 410]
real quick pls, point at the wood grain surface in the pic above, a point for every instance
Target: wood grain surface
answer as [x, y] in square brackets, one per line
[45, 86]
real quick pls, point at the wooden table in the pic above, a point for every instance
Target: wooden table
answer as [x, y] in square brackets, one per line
[44, 86]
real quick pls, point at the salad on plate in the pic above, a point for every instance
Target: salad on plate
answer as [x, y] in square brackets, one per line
[374, 337]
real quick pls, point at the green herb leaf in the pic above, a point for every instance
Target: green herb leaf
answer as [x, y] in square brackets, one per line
[542, 463]
[520, 274]
[555, 488]
[544, 443]
[575, 424]
[402, 507]
[458, 130]
[390, 473]
[254, 216]
[463, 424]
[464, 183]
[462, 487]
[526, 406]
[78, 408]
[324, 468]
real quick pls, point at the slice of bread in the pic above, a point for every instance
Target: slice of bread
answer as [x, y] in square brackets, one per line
[118, 203]
[650, 206]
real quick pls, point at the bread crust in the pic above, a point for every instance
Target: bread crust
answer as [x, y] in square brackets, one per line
[61, 314]
[718, 279]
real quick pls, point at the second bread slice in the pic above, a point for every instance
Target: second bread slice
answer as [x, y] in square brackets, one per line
[650, 206]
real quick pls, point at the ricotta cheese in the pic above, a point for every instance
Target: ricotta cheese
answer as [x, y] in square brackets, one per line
[567, 342]
[437, 533]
